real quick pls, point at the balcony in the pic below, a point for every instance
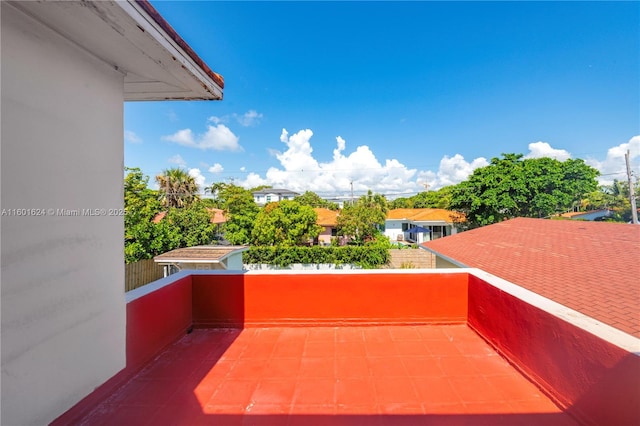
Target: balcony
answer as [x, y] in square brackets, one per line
[362, 347]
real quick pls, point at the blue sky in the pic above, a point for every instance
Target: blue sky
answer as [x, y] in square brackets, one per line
[391, 95]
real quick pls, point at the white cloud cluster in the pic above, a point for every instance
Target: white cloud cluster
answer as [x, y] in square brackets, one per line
[543, 149]
[249, 118]
[452, 170]
[300, 171]
[218, 137]
[614, 165]
[216, 168]
[196, 174]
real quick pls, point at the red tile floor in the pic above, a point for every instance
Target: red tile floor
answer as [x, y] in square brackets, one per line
[376, 375]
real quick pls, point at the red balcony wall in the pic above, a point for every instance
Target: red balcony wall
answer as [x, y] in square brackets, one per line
[594, 379]
[330, 299]
[156, 320]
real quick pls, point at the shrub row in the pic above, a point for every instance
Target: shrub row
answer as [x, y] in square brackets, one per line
[367, 257]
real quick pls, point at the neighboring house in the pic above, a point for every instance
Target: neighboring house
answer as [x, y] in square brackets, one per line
[328, 219]
[201, 258]
[270, 195]
[67, 69]
[582, 265]
[590, 215]
[419, 225]
[216, 215]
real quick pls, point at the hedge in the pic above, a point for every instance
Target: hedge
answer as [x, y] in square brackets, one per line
[367, 257]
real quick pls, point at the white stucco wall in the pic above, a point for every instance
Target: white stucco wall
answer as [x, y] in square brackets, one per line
[63, 304]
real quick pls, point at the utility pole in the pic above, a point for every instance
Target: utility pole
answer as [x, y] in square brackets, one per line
[632, 195]
[352, 193]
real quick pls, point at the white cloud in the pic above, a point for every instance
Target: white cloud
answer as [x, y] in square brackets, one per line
[300, 171]
[130, 136]
[452, 170]
[243, 168]
[218, 138]
[543, 149]
[216, 168]
[177, 159]
[197, 176]
[217, 120]
[614, 165]
[249, 118]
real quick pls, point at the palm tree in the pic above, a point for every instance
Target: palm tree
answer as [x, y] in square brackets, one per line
[177, 188]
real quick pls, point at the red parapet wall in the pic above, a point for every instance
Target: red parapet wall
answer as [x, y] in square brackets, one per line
[594, 379]
[255, 299]
[156, 320]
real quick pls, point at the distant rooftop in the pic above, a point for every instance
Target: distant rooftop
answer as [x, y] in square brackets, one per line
[591, 267]
[198, 253]
[326, 217]
[426, 214]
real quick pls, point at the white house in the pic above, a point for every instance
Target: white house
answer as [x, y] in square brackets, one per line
[67, 68]
[419, 225]
[270, 195]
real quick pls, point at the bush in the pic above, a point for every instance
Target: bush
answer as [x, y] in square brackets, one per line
[369, 257]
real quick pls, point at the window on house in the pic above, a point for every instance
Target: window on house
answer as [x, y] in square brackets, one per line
[268, 198]
[405, 226]
[334, 232]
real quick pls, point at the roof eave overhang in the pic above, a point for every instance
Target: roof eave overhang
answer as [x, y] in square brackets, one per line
[134, 39]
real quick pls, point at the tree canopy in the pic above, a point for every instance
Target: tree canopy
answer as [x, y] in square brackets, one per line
[180, 227]
[239, 208]
[363, 219]
[177, 188]
[514, 186]
[311, 199]
[285, 223]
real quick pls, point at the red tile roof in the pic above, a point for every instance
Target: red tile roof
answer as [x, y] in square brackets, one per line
[326, 217]
[591, 267]
[216, 215]
[425, 215]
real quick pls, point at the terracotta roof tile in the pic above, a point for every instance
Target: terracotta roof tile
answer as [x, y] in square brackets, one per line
[591, 267]
[423, 215]
[326, 217]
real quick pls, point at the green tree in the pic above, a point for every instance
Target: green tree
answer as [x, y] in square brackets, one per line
[180, 227]
[613, 197]
[362, 220]
[177, 188]
[311, 199]
[401, 203]
[141, 205]
[190, 226]
[240, 210]
[285, 223]
[512, 186]
[440, 199]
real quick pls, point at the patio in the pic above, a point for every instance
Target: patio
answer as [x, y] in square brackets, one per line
[429, 374]
[361, 347]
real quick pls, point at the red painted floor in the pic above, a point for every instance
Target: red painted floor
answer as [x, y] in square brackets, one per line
[383, 375]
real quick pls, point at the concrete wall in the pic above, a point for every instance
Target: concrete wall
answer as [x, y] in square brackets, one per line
[63, 304]
[589, 368]
[318, 298]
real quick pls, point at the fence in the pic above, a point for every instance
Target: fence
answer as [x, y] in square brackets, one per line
[142, 272]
